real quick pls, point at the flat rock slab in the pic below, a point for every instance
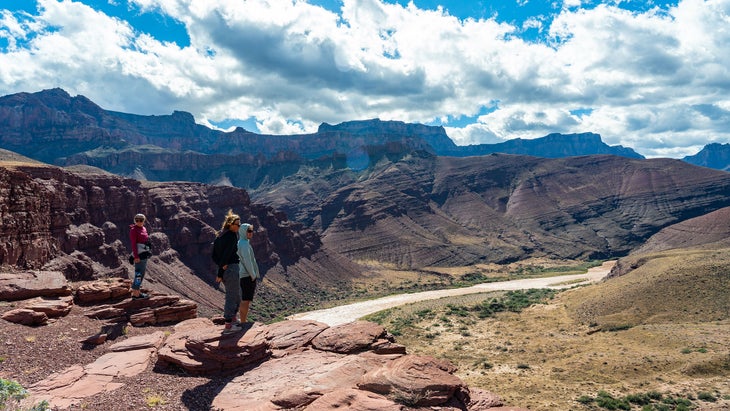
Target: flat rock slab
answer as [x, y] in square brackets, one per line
[70, 386]
[139, 342]
[31, 284]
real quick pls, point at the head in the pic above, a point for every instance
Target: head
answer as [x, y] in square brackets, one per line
[139, 219]
[248, 229]
[232, 222]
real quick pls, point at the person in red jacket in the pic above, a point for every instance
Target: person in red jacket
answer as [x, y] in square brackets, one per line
[141, 251]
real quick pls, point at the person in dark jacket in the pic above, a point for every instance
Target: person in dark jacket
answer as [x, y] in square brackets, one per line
[228, 270]
[141, 251]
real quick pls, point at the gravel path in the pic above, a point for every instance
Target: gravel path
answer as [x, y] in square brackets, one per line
[351, 312]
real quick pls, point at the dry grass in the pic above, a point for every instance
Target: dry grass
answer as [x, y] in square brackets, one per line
[671, 334]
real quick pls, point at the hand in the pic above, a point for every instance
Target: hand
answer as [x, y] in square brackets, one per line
[218, 279]
[224, 267]
[136, 260]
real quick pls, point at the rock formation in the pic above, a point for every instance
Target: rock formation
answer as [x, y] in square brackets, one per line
[76, 223]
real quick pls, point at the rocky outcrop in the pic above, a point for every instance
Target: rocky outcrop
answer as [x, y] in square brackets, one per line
[107, 300]
[275, 367]
[306, 365]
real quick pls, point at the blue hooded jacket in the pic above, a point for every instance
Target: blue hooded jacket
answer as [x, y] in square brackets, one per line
[248, 266]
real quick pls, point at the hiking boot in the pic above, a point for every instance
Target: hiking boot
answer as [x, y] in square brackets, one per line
[140, 296]
[231, 328]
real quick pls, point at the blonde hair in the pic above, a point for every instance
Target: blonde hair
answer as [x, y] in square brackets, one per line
[230, 219]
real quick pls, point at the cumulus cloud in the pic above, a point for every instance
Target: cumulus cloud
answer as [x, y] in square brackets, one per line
[654, 80]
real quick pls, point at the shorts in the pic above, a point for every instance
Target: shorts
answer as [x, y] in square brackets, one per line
[248, 288]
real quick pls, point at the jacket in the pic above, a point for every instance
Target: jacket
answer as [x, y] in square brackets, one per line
[248, 266]
[137, 235]
[230, 246]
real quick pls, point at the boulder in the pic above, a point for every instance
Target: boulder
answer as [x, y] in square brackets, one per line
[416, 380]
[157, 309]
[350, 338]
[103, 290]
[295, 380]
[53, 307]
[25, 316]
[205, 349]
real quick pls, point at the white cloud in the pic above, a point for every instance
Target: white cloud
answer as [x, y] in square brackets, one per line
[655, 81]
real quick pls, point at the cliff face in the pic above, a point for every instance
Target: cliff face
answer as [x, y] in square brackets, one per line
[77, 222]
[434, 211]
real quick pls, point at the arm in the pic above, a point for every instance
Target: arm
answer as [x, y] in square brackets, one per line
[133, 240]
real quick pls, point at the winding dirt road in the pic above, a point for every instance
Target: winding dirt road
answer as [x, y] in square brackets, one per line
[351, 312]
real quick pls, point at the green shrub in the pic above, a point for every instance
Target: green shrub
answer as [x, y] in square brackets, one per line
[607, 401]
[585, 399]
[638, 399]
[11, 393]
[706, 396]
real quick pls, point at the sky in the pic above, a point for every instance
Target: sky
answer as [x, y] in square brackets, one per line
[650, 75]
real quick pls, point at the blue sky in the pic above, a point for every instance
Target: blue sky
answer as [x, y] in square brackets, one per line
[653, 76]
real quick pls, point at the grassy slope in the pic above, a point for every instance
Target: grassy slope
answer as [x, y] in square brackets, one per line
[671, 335]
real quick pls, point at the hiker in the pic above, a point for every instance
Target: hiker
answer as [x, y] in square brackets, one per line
[248, 271]
[228, 271]
[141, 251]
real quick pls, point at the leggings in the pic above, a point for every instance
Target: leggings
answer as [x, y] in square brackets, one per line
[139, 269]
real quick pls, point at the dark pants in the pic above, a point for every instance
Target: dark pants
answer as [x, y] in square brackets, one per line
[233, 292]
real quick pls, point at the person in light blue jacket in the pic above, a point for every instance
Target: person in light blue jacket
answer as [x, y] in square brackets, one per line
[248, 271]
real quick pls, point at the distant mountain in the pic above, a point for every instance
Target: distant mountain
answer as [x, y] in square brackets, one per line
[551, 146]
[713, 155]
[53, 127]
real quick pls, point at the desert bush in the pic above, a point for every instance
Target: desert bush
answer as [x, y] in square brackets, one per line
[706, 396]
[11, 393]
[607, 401]
[585, 399]
[514, 301]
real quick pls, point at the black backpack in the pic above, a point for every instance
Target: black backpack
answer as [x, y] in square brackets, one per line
[217, 253]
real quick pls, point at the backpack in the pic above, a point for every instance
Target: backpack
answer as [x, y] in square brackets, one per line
[217, 253]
